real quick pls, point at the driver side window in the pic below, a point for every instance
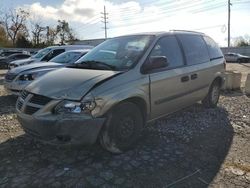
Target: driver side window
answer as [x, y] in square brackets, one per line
[168, 47]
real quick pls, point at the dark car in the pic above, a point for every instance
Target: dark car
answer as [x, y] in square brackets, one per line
[235, 57]
[8, 53]
[4, 61]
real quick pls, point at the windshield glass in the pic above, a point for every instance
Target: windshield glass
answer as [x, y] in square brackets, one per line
[67, 57]
[41, 53]
[120, 53]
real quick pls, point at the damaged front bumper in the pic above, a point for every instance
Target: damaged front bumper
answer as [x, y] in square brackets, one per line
[63, 129]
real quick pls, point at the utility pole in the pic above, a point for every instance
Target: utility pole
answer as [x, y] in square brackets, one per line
[229, 20]
[105, 18]
[47, 34]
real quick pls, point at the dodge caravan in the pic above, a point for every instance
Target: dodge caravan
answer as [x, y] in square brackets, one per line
[112, 92]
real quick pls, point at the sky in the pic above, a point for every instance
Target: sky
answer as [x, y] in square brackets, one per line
[130, 16]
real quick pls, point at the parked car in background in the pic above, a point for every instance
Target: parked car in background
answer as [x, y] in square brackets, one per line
[47, 54]
[18, 78]
[6, 53]
[235, 57]
[4, 61]
[114, 90]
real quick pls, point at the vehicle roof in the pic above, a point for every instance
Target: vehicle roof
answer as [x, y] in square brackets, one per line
[79, 50]
[17, 54]
[70, 46]
[231, 53]
[160, 33]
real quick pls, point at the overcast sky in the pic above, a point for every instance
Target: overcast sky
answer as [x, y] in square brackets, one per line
[128, 16]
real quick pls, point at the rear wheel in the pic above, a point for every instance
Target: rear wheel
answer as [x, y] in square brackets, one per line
[122, 128]
[212, 98]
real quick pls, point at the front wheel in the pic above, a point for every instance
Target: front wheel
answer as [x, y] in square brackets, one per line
[212, 98]
[122, 128]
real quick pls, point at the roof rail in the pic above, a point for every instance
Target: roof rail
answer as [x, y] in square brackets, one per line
[186, 31]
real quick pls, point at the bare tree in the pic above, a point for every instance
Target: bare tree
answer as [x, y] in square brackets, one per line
[64, 31]
[14, 23]
[37, 33]
[242, 41]
[51, 35]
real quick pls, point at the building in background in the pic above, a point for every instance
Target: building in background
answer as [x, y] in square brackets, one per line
[91, 42]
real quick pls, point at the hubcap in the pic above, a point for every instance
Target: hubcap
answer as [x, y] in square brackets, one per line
[126, 127]
[215, 94]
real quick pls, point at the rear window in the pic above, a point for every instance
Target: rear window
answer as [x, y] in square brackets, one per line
[195, 49]
[213, 49]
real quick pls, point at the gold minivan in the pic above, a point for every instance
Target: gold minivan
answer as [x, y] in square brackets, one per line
[111, 93]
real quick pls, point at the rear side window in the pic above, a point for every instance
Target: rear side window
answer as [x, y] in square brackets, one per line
[213, 49]
[168, 47]
[52, 54]
[195, 49]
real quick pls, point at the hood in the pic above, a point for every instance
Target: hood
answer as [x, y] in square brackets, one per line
[32, 66]
[68, 83]
[23, 61]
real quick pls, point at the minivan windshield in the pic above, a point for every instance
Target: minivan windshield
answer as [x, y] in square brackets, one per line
[41, 53]
[119, 53]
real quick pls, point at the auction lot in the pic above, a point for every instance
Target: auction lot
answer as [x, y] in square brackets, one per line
[195, 147]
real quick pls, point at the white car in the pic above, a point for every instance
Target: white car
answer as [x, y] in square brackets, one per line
[47, 54]
[235, 57]
[18, 78]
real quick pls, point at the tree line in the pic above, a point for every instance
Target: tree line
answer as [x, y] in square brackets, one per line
[17, 29]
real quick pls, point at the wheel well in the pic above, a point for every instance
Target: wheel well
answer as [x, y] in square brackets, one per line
[219, 80]
[140, 103]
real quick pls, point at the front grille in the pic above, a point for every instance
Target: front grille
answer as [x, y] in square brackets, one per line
[19, 104]
[30, 103]
[30, 110]
[10, 76]
[24, 94]
[39, 99]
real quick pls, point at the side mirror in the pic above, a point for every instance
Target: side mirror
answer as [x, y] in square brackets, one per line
[155, 62]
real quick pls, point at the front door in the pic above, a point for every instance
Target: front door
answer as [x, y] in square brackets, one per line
[170, 86]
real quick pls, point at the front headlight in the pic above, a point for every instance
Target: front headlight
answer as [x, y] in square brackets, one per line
[85, 106]
[31, 76]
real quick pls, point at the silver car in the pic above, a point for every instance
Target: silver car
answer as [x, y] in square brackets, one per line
[18, 78]
[47, 54]
[235, 57]
[122, 84]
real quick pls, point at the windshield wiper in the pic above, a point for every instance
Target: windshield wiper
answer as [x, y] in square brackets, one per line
[91, 64]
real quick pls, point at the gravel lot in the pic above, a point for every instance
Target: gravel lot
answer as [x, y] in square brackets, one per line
[195, 147]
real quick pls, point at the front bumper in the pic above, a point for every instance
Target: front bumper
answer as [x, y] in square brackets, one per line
[62, 129]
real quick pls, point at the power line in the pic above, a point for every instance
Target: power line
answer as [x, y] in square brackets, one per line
[173, 10]
[139, 22]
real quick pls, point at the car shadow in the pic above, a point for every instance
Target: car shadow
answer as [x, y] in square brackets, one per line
[185, 149]
[7, 104]
[1, 81]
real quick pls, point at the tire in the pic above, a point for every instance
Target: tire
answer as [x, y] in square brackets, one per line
[212, 98]
[122, 128]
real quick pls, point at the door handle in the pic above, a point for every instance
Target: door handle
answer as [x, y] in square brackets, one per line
[194, 76]
[184, 78]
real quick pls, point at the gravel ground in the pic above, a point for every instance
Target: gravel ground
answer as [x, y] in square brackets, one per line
[195, 147]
